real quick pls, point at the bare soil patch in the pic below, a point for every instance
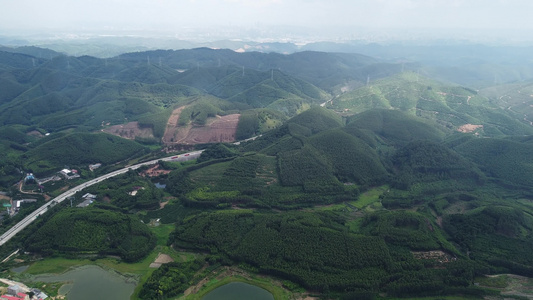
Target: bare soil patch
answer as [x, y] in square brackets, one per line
[467, 128]
[220, 129]
[161, 259]
[35, 133]
[130, 131]
[171, 131]
[217, 130]
[154, 171]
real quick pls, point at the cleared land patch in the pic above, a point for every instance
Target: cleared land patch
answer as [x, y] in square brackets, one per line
[220, 129]
[467, 128]
[161, 259]
[130, 131]
[217, 130]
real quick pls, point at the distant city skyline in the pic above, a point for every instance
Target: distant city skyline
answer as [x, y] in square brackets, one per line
[333, 17]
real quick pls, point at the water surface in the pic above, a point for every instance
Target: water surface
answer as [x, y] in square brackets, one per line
[91, 282]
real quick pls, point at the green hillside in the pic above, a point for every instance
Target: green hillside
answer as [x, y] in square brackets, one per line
[326, 70]
[396, 127]
[80, 149]
[352, 159]
[93, 231]
[317, 119]
[495, 235]
[449, 106]
[508, 161]
[424, 162]
[515, 98]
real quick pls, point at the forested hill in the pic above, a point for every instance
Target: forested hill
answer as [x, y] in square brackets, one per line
[380, 191]
[411, 207]
[325, 70]
[45, 92]
[452, 107]
[93, 231]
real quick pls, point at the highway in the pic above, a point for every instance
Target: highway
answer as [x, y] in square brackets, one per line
[4, 238]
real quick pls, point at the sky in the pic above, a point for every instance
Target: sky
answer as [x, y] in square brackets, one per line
[175, 15]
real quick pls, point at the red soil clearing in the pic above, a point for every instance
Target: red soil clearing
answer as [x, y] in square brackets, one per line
[217, 130]
[129, 131]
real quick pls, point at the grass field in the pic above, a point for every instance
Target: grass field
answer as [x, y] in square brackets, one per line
[369, 201]
[494, 281]
[162, 232]
[355, 224]
[369, 197]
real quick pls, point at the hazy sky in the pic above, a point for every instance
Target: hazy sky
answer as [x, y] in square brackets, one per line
[173, 15]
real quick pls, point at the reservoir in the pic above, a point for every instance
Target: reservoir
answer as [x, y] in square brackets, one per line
[238, 291]
[91, 282]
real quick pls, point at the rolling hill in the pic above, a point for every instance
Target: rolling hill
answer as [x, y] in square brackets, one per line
[403, 187]
[453, 107]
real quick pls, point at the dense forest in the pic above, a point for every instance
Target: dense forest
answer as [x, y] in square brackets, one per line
[92, 231]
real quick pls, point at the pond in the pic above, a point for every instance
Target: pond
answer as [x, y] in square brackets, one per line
[238, 291]
[91, 282]
[160, 185]
[19, 269]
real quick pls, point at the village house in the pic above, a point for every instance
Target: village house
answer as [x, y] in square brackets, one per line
[69, 174]
[15, 292]
[88, 199]
[94, 166]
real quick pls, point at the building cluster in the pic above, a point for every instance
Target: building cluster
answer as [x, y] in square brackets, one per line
[69, 174]
[93, 167]
[135, 190]
[87, 200]
[29, 177]
[14, 209]
[17, 203]
[15, 292]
